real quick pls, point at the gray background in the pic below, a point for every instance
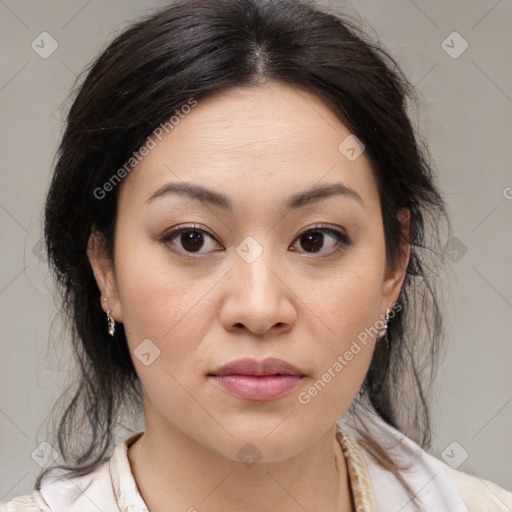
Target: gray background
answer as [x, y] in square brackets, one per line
[465, 115]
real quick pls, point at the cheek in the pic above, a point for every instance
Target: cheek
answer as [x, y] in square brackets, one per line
[159, 301]
[343, 356]
[166, 311]
[349, 299]
[163, 318]
[348, 309]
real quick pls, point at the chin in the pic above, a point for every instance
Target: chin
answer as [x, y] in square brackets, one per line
[261, 443]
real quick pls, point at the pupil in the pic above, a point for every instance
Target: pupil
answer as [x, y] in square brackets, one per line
[191, 240]
[316, 239]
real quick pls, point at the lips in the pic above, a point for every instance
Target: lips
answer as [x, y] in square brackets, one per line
[269, 366]
[257, 381]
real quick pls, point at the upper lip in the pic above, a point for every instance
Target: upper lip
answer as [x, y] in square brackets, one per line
[269, 366]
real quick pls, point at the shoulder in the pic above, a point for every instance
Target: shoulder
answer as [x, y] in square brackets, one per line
[88, 493]
[103, 489]
[26, 503]
[479, 495]
[435, 483]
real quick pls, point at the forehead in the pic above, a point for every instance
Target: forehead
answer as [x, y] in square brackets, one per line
[270, 139]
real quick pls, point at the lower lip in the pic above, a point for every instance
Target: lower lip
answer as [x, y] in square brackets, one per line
[258, 389]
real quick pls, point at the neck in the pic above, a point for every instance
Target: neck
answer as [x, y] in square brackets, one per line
[173, 472]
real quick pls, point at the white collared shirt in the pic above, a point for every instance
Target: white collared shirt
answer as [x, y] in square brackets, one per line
[111, 487]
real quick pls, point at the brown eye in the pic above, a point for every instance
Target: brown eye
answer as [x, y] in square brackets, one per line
[314, 240]
[192, 240]
[189, 240]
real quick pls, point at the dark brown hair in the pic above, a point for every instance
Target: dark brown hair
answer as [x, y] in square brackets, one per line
[193, 48]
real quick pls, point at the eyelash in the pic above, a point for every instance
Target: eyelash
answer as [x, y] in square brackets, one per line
[342, 239]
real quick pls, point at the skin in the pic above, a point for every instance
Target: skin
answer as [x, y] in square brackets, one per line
[257, 145]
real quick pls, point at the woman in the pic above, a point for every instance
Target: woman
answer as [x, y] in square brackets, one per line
[241, 219]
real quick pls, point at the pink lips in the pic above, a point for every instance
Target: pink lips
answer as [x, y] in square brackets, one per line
[259, 381]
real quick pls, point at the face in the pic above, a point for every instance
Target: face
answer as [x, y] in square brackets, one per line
[199, 282]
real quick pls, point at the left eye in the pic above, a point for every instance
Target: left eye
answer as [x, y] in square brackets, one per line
[192, 239]
[315, 238]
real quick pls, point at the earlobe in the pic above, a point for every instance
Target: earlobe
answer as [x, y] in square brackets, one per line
[102, 267]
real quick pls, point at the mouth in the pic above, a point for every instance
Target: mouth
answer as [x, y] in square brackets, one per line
[258, 381]
[263, 388]
[263, 368]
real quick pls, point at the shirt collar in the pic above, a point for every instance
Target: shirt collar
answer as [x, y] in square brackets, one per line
[129, 498]
[125, 488]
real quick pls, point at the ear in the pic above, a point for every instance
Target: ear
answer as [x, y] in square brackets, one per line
[103, 269]
[395, 276]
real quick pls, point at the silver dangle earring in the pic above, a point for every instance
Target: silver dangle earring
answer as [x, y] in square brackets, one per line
[382, 332]
[111, 323]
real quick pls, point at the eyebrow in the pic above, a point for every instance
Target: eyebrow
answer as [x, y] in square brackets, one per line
[293, 202]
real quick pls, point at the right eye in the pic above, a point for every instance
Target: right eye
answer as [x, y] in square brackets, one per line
[191, 239]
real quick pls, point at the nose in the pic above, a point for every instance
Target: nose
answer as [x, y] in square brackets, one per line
[259, 296]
